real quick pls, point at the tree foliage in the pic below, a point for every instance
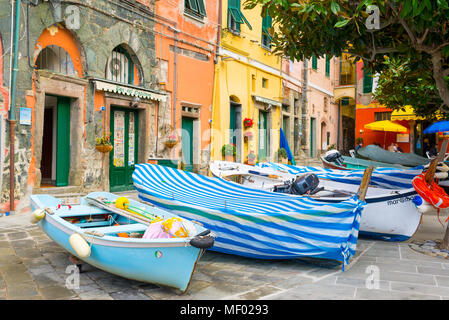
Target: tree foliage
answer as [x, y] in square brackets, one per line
[405, 82]
[411, 30]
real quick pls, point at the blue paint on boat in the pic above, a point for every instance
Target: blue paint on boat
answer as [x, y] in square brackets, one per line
[168, 262]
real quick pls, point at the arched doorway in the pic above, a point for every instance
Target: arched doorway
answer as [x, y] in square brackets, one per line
[59, 105]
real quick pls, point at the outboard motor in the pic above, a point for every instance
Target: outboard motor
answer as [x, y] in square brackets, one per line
[301, 185]
[334, 156]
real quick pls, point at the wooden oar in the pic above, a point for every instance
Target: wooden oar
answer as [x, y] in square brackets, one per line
[443, 151]
[361, 193]
[430, 173]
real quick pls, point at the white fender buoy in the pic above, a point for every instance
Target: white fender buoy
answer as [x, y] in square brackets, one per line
[37, 215]
[422, 205]
[80, 245]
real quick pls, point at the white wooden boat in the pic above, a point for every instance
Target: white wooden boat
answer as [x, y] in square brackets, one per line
[390, 214]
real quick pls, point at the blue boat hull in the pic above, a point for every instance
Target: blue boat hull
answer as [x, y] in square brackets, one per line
[165, 264]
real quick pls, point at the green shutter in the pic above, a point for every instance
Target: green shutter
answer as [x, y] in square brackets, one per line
[314, 62]
[266, 25]
[202, 9]
[235, 12]
[328, 66]
[367, 82]
[193, 6]
[197, 6]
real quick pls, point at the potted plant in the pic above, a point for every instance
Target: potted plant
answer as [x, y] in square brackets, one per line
[248, 136]
[171, 141]
[251, 158]
[282, 156]
[228, 151]
[248, 122]
[103, 144]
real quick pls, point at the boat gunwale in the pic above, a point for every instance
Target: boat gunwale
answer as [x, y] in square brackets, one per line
[115, 241]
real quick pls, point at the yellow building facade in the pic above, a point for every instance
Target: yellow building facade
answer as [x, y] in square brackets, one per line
[247, 85]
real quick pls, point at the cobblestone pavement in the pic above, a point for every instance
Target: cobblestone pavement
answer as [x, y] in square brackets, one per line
[32, 266]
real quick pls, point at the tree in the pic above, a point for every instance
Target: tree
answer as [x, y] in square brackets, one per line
[367, 29]
[408, 30]
[403, 82]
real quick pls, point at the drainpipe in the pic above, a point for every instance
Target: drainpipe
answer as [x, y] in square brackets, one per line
[12, 110]
[217, 52]
[175, 74]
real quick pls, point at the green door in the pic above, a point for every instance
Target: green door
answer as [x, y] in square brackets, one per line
[187, 143]
[123, 157]
[232, 124]
[312, 137]
[263, 136]
[63, 142]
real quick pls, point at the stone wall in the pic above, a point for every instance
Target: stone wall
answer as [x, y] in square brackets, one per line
[103, 26]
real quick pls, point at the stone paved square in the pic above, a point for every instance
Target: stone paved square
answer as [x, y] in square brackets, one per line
[34, 268]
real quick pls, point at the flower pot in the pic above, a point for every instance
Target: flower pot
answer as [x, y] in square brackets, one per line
[170, 144]
[229, 158]
[284, 160]
[104, 148]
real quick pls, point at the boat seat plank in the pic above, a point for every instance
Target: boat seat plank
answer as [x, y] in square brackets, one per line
[81, 210]
[133, 227]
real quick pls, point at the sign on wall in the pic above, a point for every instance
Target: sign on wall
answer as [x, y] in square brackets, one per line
[25, 116]
[402, 137]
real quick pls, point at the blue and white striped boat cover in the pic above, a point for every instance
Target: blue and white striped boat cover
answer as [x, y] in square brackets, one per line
[254, 223]
[389, 178]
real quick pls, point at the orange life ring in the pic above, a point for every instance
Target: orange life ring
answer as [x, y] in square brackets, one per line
[432, 193]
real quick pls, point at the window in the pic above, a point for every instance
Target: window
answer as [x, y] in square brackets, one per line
[314, 62]
[195, 7]
[367, 81]
[266, 25]
[264, 83]
[56, 59]
[328, 66]
[120, 67]
[236, 17]
[379, 116]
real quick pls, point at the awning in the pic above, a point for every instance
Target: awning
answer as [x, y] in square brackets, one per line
[104, 85]
[406, 113]
[267, 101]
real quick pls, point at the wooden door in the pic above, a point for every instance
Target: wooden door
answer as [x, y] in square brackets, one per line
[123, 157]
[63, 142]
[187, 143]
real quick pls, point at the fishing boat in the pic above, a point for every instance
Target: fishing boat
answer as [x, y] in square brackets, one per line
[387, 178]
[349, 163]
[254, 223]
[376, 153]
[124, 237]
[389, 214]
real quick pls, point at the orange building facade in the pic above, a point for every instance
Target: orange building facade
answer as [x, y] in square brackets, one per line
[186, 48]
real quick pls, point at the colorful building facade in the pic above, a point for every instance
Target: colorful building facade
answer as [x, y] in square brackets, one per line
[74, 87]
[186, 49]
[248, 85]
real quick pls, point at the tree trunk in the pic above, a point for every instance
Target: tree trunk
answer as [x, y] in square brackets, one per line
[438, 75]
[445, 243]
